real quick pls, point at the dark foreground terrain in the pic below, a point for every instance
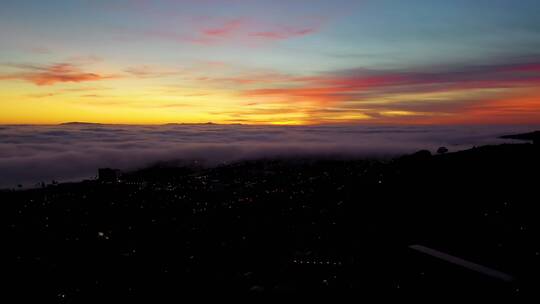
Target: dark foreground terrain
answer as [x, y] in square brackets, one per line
[284, 225]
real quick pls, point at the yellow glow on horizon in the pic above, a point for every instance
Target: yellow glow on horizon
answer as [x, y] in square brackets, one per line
[401, 113]
[134, 101]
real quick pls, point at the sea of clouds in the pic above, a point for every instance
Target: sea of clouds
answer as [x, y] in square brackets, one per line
[32, 154]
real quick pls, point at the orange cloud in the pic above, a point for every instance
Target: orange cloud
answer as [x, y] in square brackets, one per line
[458, 94]
[52, 74]
[521, 109]
[360, 83]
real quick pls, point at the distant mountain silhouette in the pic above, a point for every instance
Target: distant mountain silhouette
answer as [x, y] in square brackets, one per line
[78, 123]
[82, 123]
[189, 124]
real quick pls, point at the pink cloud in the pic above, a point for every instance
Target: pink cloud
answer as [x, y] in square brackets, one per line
[205, 31]
[226, 29]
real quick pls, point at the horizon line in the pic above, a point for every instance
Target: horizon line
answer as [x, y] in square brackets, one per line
[270, 124]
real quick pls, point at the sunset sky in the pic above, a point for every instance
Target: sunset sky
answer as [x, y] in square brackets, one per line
[270, 62]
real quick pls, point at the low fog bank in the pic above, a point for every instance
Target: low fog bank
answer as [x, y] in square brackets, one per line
[32, 154]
